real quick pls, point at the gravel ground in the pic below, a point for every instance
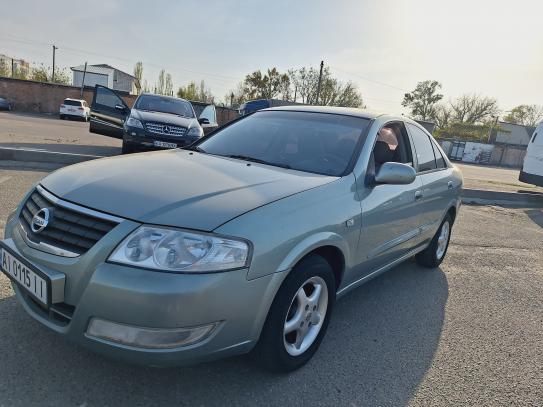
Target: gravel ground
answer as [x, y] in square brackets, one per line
[468, 333]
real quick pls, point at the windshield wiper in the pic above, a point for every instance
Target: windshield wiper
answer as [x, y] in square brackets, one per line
[257, 160]
[195, 148]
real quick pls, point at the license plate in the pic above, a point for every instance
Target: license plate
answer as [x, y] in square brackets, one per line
[71, 110]
[157, 143]
[24, 275]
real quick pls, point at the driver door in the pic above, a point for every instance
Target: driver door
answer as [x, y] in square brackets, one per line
[208, 119]
[108, 113]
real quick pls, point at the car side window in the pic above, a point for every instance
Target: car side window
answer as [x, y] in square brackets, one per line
[440, 161]
[423, 148]
[209, 114]
[105, 97]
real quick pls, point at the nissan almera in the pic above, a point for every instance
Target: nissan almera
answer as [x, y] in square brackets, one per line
[241, 243]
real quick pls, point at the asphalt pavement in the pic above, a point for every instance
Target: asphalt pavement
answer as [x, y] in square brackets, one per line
[465, 334]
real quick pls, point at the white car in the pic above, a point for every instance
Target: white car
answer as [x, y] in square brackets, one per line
[532, 169]
[75, 108]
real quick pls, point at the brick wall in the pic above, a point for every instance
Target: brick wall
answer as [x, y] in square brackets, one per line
[39, 97]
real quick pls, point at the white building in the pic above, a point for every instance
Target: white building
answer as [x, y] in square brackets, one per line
[106, 75]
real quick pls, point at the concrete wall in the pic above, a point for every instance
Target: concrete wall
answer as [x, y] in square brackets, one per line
[39, 97]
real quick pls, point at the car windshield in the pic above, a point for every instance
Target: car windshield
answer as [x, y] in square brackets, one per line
[312, 142]
[72, 102]
[163, 104]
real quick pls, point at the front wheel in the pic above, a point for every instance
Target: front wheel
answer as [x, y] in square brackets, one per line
[126, 148]
[434, 254]
[298, 317]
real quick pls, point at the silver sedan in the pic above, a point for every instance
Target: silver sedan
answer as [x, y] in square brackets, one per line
[240, 243]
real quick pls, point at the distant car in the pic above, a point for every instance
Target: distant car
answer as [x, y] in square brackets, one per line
[259, 104]
[154, 122]
[532, 168]
[75, 108]
[5, 105]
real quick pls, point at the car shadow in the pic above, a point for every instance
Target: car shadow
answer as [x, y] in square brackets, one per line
[104, 151]
[536, 215]
[380, 343]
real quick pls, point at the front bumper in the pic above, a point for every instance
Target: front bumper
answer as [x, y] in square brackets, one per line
[92, 288]
[142, 140]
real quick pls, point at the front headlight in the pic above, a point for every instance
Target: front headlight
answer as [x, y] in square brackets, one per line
[133, 122]
[173, 250]
[195, 131]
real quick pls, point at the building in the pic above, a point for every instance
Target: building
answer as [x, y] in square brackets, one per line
[106, 75]
[15, 66]
[510, 133]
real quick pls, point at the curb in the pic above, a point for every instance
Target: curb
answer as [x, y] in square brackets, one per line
[43, 156]
[485, 197]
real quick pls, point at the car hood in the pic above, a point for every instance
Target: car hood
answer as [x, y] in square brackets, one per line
[158, 117]
[177, 187]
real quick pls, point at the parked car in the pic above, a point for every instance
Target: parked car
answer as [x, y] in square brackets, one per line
[240, 243]
[532, 167]
[155, 121]
[74, 108]
[4, 104]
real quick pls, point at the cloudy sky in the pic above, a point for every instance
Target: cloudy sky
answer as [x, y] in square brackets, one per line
[494, 48]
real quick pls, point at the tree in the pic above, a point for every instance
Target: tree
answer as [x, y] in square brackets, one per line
[305, 84]
[265, 86]
[5, 70]
[527, 115]
[138, 72]
[40, 74]
[472, 109]
[45, 73]
[442, 115]
[198, 93]
[168, 85]
[423, 99]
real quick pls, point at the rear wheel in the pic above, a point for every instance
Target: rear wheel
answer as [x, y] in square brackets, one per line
[434, 254]
[298, 317]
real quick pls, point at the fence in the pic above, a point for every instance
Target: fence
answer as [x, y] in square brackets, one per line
[501, 154]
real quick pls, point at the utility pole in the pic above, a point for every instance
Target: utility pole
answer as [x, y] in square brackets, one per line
[83, 81]
[53, 76]
[12, 68]
[319, 84]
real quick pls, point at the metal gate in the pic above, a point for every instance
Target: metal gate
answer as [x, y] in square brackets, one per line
[457, 150]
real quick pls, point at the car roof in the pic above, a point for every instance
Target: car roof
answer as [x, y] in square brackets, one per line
[163, 96]
[347, 111]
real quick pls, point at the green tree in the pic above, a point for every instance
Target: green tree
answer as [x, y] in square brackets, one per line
[5, 69]
[160, 87]
[527, 115]
[267, 85]
[138, 72]
[168, 85]
[423, 99]
[198, 93]
[40, 74]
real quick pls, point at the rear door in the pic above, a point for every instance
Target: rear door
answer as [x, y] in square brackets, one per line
[208, 119]
[438, 184]
[108, 112]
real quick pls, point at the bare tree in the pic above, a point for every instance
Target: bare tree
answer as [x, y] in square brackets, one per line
[168, 85]
[472, 108]
[442, 115]
[138, 72]
[527, 115]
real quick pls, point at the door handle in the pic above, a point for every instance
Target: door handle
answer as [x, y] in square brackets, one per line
[418, 195]
[450, 185]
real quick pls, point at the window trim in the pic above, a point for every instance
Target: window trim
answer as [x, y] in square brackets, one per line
[432, 142]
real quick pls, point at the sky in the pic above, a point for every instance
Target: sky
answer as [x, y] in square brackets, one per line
[492, 48]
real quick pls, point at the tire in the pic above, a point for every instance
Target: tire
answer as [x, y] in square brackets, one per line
[127, 148]
[280, 352]
[434, 254]
[61, 117]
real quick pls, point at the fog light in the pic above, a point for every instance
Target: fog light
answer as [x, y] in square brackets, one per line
[148, 337]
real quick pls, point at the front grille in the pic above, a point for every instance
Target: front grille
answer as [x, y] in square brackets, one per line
[68, 230]
[166, 129]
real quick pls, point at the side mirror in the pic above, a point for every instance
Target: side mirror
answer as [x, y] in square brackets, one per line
[395, 173]
[203, 120]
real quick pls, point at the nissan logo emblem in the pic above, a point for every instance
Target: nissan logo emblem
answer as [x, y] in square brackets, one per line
[40, 220]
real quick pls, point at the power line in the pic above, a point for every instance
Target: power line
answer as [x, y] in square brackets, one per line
[217, 77]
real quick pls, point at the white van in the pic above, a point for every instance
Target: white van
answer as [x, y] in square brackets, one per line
[532, 170]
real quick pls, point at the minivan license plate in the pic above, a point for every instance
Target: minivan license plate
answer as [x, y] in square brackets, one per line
[24, 276]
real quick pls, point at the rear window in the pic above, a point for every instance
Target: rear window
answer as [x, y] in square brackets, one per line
[312, 142]
[72, 102]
